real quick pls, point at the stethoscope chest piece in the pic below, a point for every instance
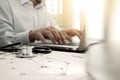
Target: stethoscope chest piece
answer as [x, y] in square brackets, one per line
[26, 52]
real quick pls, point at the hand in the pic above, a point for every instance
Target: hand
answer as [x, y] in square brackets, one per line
[73, 32]
[36, 35]
[63, 35]
[56, 36]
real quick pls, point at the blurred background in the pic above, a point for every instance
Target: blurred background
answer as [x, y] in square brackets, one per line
[98, 15]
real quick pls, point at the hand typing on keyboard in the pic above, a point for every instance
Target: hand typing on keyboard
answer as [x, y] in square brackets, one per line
[75, 40]
[54, 35]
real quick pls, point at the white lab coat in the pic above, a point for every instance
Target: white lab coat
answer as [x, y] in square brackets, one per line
[18, 17]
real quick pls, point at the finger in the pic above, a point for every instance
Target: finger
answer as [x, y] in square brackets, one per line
[62, 37]
[47, 34]
[74, 32]
[67, 37]
[68, 34]
[52, 27]
[80, 32]
[55, 33]
[50, 36]
[41, 37]
[77, 34]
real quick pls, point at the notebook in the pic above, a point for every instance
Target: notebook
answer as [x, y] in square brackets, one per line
[78, 47]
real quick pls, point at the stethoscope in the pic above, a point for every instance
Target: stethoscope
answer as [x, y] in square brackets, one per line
[26, 51]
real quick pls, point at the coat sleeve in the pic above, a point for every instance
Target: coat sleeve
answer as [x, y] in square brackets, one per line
[7, 32]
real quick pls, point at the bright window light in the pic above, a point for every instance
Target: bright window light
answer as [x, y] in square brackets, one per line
[94, 14]
[95, 18]
[115, 22]
[78, 6]
[76, 10]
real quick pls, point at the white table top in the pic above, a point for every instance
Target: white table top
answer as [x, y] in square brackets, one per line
[53, 66]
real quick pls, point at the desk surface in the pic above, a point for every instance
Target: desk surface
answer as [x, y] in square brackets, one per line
[53, 66]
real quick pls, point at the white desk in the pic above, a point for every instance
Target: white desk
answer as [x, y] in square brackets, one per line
[53, 66]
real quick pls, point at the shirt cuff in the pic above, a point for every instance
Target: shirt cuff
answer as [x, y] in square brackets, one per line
[22, 37]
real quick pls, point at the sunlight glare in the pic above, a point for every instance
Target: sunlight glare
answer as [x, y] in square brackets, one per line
[76, 9]
[115, 28]
[95, 18]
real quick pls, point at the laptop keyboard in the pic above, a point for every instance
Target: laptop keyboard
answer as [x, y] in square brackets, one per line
[66, 43]
[72, 44]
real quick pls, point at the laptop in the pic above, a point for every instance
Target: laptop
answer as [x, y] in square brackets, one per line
[79, 47]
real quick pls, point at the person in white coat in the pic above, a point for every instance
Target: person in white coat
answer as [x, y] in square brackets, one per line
[28, 20]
